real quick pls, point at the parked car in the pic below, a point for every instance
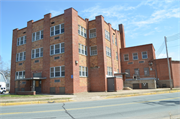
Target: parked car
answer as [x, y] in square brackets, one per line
[2, 83]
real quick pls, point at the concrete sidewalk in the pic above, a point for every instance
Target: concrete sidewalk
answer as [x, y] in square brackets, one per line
[88, 95]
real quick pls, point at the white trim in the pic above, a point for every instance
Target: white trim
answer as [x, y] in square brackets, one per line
[19, 38]
[96, 50]
[133, 56]
[54, 34]
[90, 33]
[124, 57]
[55, 71]
[18, 74]
[146, 54]
[60, 52]
[19, 56]
[35, 53]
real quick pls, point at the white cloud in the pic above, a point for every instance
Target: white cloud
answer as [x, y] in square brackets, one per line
[55, 12]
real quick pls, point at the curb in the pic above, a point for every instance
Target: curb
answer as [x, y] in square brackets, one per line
[35, 102]
[130, 95]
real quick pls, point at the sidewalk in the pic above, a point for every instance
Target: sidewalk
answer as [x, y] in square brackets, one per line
[88, 96]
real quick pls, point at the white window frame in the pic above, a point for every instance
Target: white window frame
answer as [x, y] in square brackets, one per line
[86, 70]
[35, 53]
[23, 76]
[54, 30]
[133, 56]
[107, 35]
[146, 54]
[116, 55]
[109, 71]
[18, 58]
[55, 72]
[116, 41]
[60, 51]
[93, 50]
[82, 31]
[82, 47]
[108, 51]
[93, 34]
[19, 40]
[33, 40]
[124, 57]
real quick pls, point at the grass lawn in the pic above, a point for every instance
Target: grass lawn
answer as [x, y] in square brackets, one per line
[23, 96]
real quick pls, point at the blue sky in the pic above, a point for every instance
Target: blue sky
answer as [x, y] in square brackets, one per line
[145, 21]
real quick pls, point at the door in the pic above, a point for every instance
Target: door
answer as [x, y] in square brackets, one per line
[38, 86]
[110, 84]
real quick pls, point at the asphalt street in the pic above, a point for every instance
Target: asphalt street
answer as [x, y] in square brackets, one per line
[139, 107]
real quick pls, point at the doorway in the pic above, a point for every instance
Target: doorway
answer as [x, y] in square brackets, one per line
[38, 86]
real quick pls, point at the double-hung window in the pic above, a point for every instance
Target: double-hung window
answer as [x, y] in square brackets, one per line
[82, 49]
[116, 41]
[58, 29]
[82, 31]
[113, 39]
[37, 36]
[93, 50]
[107, 35]
[146, 71]
[57, 49]
[108, 51]
[109, 71]
[20, 75]
[126, 57]
[83, 71]
[135, 56]
[57, 71]
[21, 40]
[92, 33]
[144, 55]
[35, 53]
[20, 56]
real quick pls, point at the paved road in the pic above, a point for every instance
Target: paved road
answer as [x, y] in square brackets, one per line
[140, 107]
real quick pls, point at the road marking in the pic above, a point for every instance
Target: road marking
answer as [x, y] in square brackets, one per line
[11, 113]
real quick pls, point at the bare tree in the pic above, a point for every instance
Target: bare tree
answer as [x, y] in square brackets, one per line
[5, 68]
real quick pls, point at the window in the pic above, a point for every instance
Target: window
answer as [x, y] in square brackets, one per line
[113, 39]
[128, 71]
[116, 41]
[82, 49]
[83, 71]
[57, 49]
[20, 56]
[116, 56]
[118, 70]
[144, 55]
[93, 50]
[81, 31]
[136, 72]
[57, 71]
[20, 75]
[92, 33]
[109, 71]
[56, 81]
[146, 71]
[37, 36]
[21, 40]
[126, 57]
[107, 35]
[108, 51]
[135, 56]
[58, 29]
[35, 53]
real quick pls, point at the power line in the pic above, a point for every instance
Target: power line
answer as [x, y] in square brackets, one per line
[173, 37]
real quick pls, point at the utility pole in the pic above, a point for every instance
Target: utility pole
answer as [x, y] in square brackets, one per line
[168, 63]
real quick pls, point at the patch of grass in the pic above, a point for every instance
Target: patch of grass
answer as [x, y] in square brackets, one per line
[22, 96]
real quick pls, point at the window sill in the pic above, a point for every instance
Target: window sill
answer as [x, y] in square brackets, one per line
[36, 57]
[37, 40]
[82, 36]
[93, 55]
[22, 44]
[57, 77]
[57, 34]
[82, 54]
[57, 54]
[83, 76]
[20, 61]
[92, 37]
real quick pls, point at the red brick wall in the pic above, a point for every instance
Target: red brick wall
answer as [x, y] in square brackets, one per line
[71, 51]
[118, 83]
[136, 64]
[175, 65]
[13, 60]
[45, 85]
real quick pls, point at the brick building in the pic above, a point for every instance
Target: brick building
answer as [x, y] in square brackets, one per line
[66, 54]
[145, 71]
